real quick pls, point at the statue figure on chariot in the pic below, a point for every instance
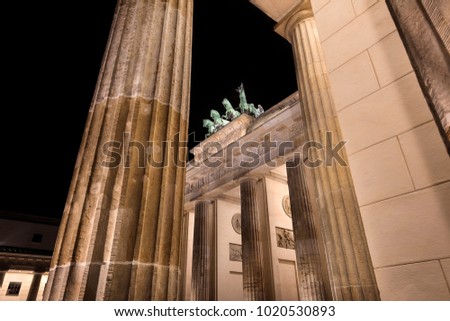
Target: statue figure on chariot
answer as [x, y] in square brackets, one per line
[219, 121]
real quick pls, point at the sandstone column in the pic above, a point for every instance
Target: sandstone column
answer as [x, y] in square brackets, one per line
[3, 271]
[34, 287]
[349, 264]
[203, 258]
[252, 260]
[417, 20]
[313, 283]
[120, 233]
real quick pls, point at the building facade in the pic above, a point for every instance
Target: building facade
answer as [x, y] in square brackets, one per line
[26, 247]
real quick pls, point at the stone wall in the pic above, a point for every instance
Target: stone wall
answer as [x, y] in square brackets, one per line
[229, 273]
[398, 161]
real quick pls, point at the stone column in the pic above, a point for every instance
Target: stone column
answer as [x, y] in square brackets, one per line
[3, 271]
[34, 287]
[311, 263]
[417, 20]
[349, 264]
[120, 233]
[183, 257]
[252, 260]
[203, 258]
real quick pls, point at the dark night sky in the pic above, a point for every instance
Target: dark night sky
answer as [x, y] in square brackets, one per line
[52, 52]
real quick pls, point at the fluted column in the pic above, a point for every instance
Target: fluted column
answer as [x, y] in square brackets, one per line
[34, 287]
[311, 266]
[3, 271]
[349, 264]
[252, 260]
[120, 232]
[203, 258]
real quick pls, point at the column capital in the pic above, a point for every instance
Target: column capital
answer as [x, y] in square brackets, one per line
[297, 14]
[207, 201]
[248, 178]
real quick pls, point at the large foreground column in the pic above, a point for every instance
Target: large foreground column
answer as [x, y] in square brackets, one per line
[120, 233]
[350, 267]
[313, 283]
[203, 258]
[252, 260]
